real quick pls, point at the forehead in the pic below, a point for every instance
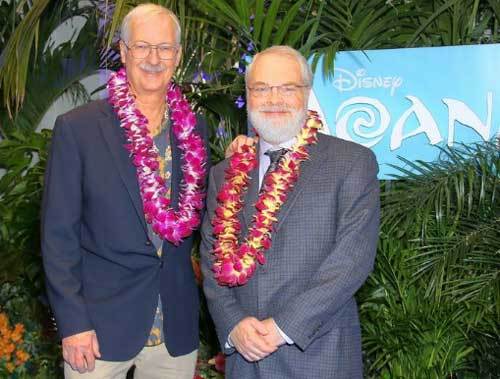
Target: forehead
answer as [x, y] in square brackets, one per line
[153, 28]
[276, 69]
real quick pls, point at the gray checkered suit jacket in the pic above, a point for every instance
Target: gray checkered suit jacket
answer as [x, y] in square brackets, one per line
[323, 249]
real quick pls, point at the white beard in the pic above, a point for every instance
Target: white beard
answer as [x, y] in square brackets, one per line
[273, 131]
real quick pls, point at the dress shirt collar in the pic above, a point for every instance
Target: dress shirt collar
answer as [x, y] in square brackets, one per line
[265, 146]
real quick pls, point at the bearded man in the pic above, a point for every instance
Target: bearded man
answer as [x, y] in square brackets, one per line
[124, 191]
[289, 236]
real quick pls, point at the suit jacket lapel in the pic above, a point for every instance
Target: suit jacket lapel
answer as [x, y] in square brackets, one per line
[307, 169]
[115, 139]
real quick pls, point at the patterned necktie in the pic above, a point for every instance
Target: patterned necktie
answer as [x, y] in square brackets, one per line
[275, 157]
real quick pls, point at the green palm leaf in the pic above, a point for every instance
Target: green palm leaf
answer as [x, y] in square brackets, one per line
[14, 70]
[58, 71]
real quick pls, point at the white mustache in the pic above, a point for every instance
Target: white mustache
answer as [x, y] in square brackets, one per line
[154, 68]
[279, 108]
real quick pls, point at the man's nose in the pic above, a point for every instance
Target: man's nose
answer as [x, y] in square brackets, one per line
[275, 95]
[153, 56]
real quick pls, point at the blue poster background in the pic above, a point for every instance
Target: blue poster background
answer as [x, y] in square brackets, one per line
[408, 101]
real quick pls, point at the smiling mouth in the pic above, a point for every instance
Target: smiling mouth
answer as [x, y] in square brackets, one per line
[152, 72]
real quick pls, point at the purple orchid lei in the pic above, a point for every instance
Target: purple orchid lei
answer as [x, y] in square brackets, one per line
[167, 223]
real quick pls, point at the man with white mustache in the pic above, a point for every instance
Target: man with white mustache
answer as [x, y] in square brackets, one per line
[289, 236]
[118, 269]
[154, 69]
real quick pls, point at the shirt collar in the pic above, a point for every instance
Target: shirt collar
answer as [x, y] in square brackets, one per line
[265, 146]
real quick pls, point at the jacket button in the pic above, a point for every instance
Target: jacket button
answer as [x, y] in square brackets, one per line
[161, 263]
[148, 243]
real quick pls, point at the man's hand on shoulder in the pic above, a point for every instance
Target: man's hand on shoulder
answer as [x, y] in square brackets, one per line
[238, 143]
[249, 338]
[80, 351]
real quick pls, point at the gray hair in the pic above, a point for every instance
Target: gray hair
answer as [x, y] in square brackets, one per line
[146, 10]
[305, 69]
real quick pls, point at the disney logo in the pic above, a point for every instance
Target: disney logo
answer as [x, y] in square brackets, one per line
[344, 81]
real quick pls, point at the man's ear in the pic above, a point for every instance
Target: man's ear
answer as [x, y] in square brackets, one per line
[123, 52]
[179, 56]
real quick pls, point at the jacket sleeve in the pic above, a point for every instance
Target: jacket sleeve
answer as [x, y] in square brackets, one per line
[60, 222]
[347, 266]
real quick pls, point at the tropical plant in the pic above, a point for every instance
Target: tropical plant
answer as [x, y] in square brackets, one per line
[431, 307]
[23, 157]
[29, 56]
[456, 22]
[362, 25]
[405, 335]
[56, 71]
[26, 350]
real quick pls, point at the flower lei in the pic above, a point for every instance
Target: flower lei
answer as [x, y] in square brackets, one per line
[235, 263]
[166, 223]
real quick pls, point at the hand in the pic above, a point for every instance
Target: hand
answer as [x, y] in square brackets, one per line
[80, 351]
[274, 337]
[248, 337]
[238, 143]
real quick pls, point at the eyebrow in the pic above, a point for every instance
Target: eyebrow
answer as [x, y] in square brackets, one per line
[282, 84]
[149, 43]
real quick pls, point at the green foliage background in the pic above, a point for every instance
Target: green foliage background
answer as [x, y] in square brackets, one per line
[431, 308]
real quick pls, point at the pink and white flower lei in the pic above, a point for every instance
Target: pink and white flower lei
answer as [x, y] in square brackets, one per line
[168, 224]
[235, 263]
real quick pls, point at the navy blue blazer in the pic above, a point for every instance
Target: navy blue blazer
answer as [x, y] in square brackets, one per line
[102, 271]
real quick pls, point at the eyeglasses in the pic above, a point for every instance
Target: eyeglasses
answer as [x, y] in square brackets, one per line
[262, 90]
[141, 50]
